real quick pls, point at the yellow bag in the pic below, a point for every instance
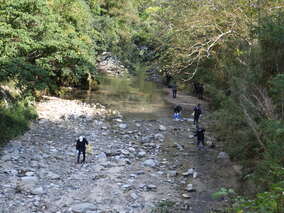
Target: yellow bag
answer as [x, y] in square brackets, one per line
[89, 149]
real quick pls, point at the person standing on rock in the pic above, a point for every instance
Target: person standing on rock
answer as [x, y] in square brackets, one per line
[174, 90]
[196, 113]
[81, 143]
[200, 136]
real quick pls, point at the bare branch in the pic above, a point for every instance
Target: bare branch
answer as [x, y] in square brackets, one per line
[251, 123]
[214, 42]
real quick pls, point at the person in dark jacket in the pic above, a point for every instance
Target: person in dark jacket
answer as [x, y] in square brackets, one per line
[177, 112]
[81, 143]
[200, 136]
[174, 90]
[195, 88]
[196, 113]
[200, 91]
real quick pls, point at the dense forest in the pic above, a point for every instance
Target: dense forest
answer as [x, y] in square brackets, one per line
[234, 47]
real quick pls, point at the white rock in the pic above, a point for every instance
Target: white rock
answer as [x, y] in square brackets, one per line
[223, 155]
[162, 128]
[186, 196]
[134, 196]
[189, 188]
[122, 126]
[159, 137]
[141, 154]
[126, 186]
[189, 172]
[37, 191]
[30, 173]
[29, 180]
[118, 120]
[125, 152]
[131, 149]
[149, 163]
[147, 139]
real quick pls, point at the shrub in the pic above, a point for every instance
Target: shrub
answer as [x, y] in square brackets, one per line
[15, 120]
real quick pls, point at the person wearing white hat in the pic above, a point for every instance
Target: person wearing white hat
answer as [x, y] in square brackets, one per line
[81, 147]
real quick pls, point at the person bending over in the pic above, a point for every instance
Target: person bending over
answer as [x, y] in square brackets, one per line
[177, 112]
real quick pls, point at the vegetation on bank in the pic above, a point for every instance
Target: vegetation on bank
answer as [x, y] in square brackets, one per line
[14, 120]
[234, 47]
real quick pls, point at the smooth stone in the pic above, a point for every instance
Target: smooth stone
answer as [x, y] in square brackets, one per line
[162, 128]
[122, 126]
[186, 196]
[37, 191]
[141, 154]
[149, 162]
[223, 155]
[29, 180]
[125, 152]
[83, 207]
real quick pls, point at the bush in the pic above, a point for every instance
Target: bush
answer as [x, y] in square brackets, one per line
[15, 120]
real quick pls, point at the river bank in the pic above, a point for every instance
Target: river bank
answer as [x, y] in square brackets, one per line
[138, 164]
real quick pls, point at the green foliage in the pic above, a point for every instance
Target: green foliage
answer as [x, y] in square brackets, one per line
[271, 201]
[15, 120]
[46, 43]
[222, 193]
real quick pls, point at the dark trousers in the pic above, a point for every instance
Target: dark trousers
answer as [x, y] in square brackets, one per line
[174, 93]
[200, 141]
[84, 155]
[196, 118]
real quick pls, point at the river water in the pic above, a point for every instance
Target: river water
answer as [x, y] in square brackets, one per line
[133, 97]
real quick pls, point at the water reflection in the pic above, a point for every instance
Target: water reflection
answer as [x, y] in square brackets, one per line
[133, 97]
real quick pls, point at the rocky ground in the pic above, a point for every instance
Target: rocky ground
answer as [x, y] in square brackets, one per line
[136, 165]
